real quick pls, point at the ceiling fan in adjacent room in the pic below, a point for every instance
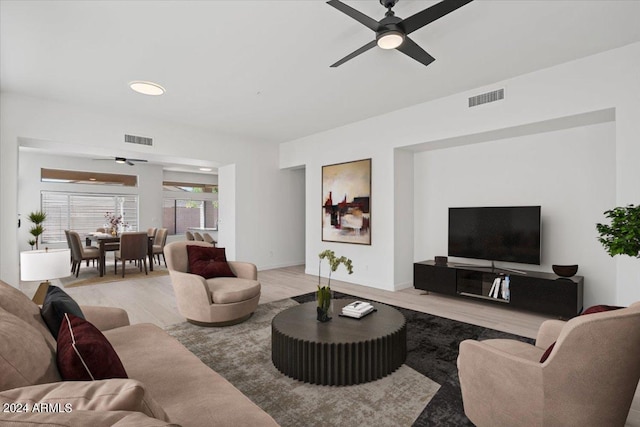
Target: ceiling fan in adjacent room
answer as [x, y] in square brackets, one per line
[124, 160]
[393, 32]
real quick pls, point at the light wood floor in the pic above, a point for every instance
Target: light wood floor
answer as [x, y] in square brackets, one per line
[152, 301]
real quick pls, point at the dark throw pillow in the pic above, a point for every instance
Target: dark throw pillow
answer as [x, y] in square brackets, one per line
[591, 310]
[208, 262]
[84, 353]
[599, 309]
[56, 303]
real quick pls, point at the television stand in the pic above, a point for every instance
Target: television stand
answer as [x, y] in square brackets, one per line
[492, 267]
[529, 290]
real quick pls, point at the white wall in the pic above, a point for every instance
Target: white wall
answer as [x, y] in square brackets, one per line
[403, 218]
[149, 189]
[533, 102]
[570, 173]
[259, 183]
[227, 211]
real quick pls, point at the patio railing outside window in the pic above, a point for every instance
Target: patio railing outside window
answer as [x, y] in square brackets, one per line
[178, 215]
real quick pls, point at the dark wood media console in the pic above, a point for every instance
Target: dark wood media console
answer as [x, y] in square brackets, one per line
[530, 290]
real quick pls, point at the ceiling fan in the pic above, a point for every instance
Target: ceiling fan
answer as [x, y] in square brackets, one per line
[393, 32]
[124, 160]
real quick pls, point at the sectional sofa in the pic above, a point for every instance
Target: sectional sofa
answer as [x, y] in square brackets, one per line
[166, 384]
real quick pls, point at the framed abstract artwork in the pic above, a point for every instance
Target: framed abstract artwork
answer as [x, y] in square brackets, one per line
[346, 202]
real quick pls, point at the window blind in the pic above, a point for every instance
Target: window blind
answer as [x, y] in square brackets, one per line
[84, 213]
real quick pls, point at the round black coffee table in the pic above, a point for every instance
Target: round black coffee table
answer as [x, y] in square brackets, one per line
[342, 351]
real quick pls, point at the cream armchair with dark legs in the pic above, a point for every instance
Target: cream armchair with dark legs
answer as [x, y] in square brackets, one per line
[212, 302]
[588, 379]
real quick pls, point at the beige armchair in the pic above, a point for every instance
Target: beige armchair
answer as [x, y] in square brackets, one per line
[212, 302]
[589, 379]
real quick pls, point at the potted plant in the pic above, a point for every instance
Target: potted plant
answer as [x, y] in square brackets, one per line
[37, 218]
[622, 236]
[323, 295]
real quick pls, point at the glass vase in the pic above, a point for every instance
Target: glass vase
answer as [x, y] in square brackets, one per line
[324, 300]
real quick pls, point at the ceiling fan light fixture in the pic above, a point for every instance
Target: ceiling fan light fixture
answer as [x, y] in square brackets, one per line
[390, 39]
[146, 88]
[121, 160]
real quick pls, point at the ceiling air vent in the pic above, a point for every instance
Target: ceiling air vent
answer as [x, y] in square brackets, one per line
[484, 98]
[142, 140]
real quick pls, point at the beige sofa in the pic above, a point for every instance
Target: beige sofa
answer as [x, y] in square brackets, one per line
[167, 384]
[588, 379]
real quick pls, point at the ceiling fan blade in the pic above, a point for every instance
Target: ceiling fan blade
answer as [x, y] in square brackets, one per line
[129, 162]
[355, 14]
[352, 55]
[137, 160]
[410, 48]
[430, 14]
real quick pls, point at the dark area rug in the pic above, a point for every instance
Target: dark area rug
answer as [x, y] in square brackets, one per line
[241, 353]
[432, 350]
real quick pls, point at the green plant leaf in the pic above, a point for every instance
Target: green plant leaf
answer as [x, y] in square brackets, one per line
[37, 217]
[622, 236]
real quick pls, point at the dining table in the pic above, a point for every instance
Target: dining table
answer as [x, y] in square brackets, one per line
[107, 242]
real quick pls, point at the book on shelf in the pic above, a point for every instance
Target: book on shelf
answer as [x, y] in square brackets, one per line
[500, 288]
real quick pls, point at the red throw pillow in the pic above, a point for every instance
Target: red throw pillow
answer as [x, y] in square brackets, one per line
[591, 310]
[208, 262]
[84, 354]
[599, 309]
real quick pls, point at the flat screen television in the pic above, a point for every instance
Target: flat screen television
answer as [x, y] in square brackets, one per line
[503, 233]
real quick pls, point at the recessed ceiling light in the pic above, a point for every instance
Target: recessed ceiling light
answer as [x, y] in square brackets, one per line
[146, 88]
[206, 169]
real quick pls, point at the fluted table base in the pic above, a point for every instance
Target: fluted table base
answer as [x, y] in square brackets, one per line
[343, 351]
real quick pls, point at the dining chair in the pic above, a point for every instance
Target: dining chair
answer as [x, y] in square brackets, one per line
[66, 234]
[133, 247]
[158, 244]
[80, 253]
[108, 247]
[151, 232]
[198, 236]
[207, 238]
[189, 235]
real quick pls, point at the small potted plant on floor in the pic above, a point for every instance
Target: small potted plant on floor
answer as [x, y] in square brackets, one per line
[323, 295]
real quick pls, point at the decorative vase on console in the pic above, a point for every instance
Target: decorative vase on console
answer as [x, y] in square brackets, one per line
[324, 294]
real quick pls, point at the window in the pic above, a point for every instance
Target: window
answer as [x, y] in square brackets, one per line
[181, 214]
[83, 212]
[199, 209]
[93, 178]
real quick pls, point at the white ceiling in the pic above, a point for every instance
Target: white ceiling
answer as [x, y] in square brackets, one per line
[260, 69]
